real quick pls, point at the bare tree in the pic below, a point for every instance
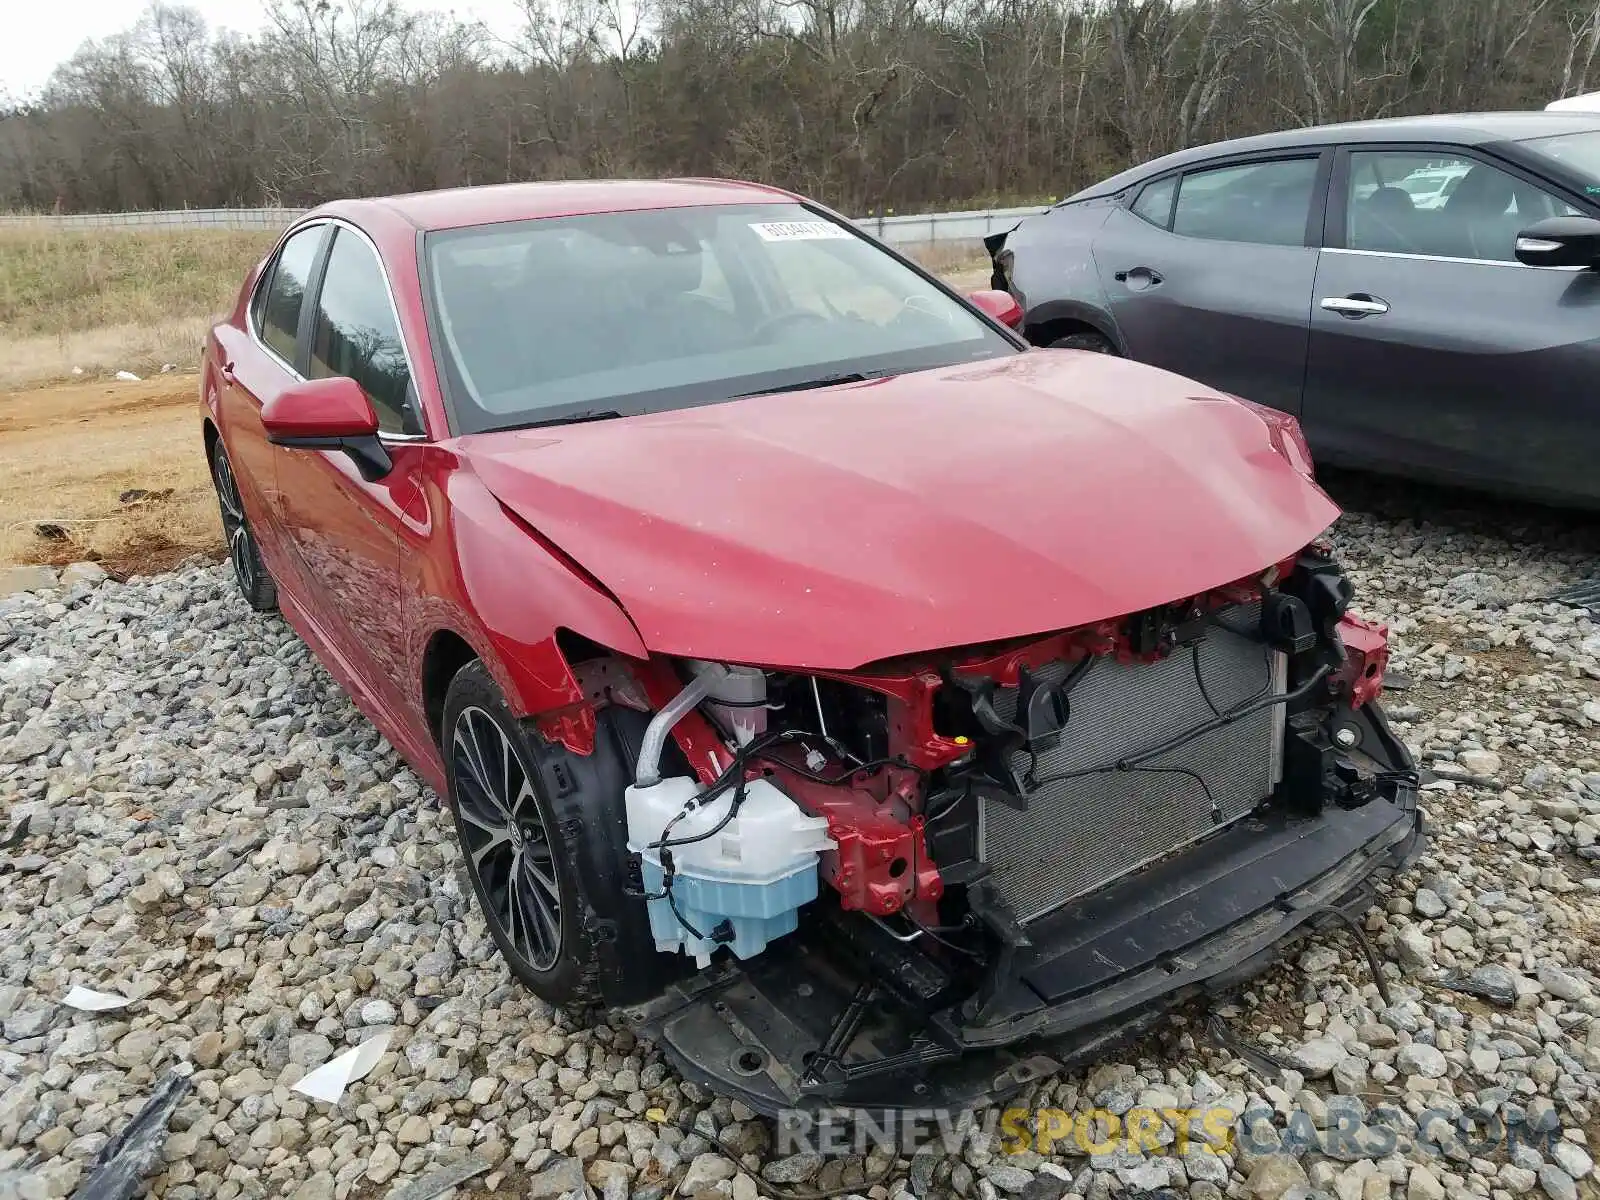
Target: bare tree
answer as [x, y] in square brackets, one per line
[868, 104]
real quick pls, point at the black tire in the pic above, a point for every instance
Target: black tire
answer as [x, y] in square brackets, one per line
[1088, 340]
[249, 572]
[572, 834]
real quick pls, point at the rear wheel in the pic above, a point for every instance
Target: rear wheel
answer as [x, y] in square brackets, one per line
[1088, 340]
[248, 570]
[543, 838]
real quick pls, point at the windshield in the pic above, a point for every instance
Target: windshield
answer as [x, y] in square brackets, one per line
[566, 317]
[1579, 153]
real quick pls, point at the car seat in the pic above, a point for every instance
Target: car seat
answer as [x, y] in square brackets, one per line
[1476, 219]
[1384, 220]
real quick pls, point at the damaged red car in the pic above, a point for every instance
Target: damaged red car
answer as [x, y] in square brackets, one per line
[879, 712]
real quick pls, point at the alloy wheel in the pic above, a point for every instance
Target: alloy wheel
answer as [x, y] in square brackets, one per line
[241, 549]
[503, 833]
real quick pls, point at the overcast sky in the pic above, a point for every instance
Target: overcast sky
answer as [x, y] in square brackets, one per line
[39, 34]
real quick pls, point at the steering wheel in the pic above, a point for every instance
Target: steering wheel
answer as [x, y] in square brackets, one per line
[797, 316]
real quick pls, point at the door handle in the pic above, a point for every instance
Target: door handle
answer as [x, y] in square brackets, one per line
[1139, 278]
[1356, 305]
[228, 377]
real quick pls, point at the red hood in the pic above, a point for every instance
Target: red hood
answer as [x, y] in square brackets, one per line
[831, 528]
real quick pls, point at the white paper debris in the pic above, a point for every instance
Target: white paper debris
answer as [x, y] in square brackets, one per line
[26, 667]
[127, 377]
[88, 1000]
[329, 1081]
[77, 370]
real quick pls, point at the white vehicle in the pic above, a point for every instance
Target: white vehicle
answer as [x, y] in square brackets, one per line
[1431, 187]
[1588, 102]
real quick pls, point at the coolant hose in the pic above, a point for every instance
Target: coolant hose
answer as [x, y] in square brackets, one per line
[648, 772]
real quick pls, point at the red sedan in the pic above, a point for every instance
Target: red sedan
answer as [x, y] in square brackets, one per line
[851, 693]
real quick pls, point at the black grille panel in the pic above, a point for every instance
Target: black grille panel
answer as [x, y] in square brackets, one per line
[1079, 834]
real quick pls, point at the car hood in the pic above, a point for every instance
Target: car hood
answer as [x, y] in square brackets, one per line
[834, 527]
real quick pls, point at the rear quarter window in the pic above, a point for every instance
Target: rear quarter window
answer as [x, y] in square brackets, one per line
[1155, 202]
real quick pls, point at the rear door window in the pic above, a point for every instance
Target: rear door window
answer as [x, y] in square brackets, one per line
[355, 333]
[277, 311]
[1267, 203]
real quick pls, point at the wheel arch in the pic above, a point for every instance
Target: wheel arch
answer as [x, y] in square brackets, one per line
[536, 678]
[445, 654]
[1057, 318]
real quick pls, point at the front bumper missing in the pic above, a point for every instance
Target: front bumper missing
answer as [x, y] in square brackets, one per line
[1103, 970]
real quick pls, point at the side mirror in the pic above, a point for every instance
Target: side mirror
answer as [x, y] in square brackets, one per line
[1560, 242]
[1002, 306]
[328, 414]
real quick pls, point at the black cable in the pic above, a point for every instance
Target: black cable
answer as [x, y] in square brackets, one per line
[955, 803]
[1374, 964]
[734, 772]
[948, 945]
[1194, 775]
[1079, 669]
[1201, 683]
[1248, 708]
[667, 876]
[844, 776]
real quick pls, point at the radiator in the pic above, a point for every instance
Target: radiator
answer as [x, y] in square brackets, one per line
[1077, 835]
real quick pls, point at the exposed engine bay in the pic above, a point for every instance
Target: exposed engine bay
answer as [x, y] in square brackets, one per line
[1025, 848]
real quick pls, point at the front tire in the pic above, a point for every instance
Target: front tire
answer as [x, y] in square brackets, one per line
[1094, 343]
[543, 835]
[249, 571]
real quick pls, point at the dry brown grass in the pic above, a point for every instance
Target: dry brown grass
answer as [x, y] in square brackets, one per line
[72, 459]
[957, 262]
[69, 454]
[110, 300]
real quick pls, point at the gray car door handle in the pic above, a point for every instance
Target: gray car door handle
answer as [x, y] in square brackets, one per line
[1139, 278]
[1356, 306]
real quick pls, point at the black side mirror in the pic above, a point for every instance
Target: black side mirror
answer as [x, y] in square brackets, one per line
[1560, 242]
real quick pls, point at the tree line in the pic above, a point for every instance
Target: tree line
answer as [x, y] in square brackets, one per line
[869, 105]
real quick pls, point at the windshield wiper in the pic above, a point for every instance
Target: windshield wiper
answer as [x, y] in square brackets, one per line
[577, 418]
[821, 381]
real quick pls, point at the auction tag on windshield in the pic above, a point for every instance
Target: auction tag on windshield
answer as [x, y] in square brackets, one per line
[798, 231]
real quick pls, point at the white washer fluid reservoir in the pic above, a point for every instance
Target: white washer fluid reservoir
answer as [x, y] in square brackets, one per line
[742, 886]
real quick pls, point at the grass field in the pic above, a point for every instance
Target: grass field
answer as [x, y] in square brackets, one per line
[92, 467]
[104, 301]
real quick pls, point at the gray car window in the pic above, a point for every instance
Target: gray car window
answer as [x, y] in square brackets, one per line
[1267, 203]
[1440, 205]
[1155, 202]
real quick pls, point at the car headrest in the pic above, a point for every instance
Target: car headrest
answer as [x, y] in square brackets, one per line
[672, 271]
[1482, 192]
[1388, 202]
[550, 265]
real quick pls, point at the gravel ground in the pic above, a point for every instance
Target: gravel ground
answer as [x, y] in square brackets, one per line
[214, 832]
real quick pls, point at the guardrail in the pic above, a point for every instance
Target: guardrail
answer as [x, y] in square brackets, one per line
[918, 229]
[924, 228]
[177, 218]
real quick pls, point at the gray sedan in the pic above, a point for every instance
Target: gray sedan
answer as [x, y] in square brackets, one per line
[1420, 292]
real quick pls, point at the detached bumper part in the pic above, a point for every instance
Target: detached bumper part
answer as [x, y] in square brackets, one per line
[1098, 971]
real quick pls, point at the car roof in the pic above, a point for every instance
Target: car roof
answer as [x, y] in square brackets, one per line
[1467, 129]
[454, 208]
